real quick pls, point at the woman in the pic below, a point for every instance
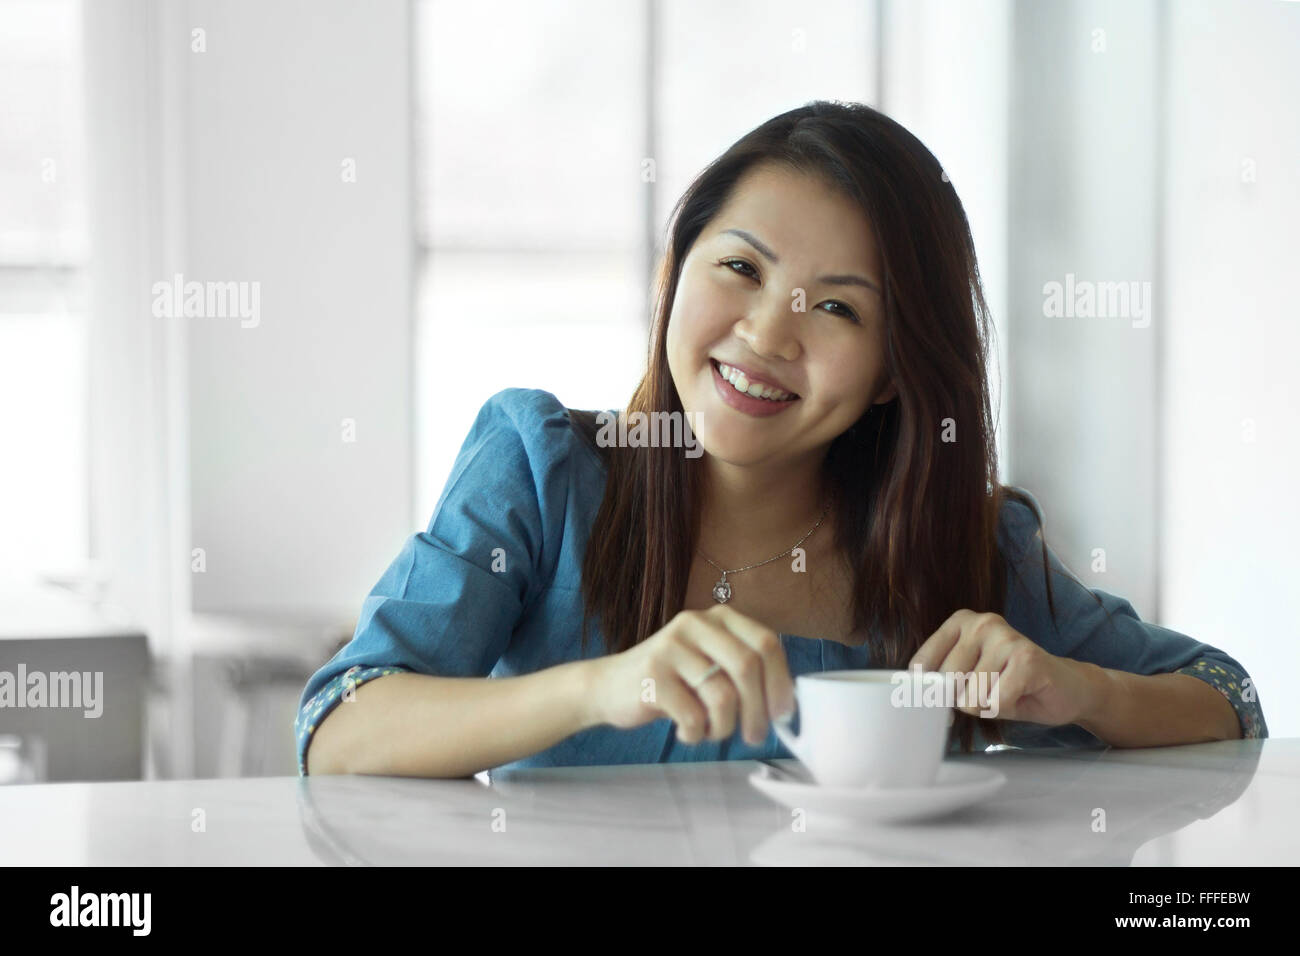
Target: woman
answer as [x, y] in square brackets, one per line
[821, 325]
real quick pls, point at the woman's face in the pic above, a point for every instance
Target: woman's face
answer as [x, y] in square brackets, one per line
[736, 305]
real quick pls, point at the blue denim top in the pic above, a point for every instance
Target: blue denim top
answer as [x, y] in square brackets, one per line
[527, 483]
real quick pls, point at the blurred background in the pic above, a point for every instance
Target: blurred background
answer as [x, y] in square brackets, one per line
[404, 207]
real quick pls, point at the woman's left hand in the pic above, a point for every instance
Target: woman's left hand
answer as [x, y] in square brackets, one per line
[1021, 681]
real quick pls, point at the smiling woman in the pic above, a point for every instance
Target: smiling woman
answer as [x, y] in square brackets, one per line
[827, 255]
[821, 325]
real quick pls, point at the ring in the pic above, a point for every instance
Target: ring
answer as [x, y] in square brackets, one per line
[705, 676]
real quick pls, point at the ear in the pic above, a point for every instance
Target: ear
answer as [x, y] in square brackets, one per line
[887, 394]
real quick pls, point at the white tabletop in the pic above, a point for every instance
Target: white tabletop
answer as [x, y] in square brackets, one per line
[1220, 804]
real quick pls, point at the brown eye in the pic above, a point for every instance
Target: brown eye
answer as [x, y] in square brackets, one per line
[739, 262]
[847, 313]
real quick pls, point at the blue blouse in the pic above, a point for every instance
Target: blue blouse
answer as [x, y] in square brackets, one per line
[493, 588]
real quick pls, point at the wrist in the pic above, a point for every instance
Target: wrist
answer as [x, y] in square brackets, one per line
[1097, 689]
[586, 684]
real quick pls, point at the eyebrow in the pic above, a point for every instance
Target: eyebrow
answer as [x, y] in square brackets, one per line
[771, 256]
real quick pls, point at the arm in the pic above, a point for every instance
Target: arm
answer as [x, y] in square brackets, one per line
[442, 616]
[1149, 685]
[474, 723]
[1156, 710]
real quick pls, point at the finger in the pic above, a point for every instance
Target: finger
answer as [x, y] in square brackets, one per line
[964, 691]
[1018, 678]
[736, 688]
[678, 702]
[778, 685]
[961, 659]
[672, 672]
[935, 648]
[746, 666]
[990, 669]
[995, 653]
[977, 631]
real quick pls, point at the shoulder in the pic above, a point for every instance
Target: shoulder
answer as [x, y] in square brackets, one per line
[534, 420]
[526, 439]
[521, 477]
[1020, 522]
[522, 411]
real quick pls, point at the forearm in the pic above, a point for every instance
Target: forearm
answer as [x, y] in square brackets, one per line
[1156, 710]
[420, 726]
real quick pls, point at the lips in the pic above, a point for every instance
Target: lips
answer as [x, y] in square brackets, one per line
[745, 403]
[753, 383]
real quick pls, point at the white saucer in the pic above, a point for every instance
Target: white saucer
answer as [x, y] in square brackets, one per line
[957, 785]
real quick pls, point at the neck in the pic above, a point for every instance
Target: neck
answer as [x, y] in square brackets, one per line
[749, 514]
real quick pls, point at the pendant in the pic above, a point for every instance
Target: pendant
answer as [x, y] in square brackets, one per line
[722, 590]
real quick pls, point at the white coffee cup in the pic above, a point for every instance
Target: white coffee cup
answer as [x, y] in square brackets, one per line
[868, 728]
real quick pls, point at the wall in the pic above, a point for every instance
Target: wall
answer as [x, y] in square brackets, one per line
[283, 96]
[1231, 463]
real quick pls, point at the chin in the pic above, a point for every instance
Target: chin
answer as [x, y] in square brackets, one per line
[734, 447]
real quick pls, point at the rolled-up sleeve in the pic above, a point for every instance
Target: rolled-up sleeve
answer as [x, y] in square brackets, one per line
[449, 602]
[1089, 624]
[1236, 685]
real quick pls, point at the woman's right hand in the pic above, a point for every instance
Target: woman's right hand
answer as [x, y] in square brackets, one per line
[654, 679]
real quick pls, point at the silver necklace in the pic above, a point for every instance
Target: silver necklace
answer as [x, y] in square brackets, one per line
[722, 590]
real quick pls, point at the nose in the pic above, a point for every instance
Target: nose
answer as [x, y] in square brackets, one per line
[770, 331]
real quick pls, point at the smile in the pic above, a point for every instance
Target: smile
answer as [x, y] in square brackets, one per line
[744, 402]
[738, 380]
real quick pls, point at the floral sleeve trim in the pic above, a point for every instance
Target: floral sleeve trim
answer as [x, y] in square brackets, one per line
[1230, 683]
[324, 701]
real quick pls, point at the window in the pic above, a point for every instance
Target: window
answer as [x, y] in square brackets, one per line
[537, 230]
[43, 385]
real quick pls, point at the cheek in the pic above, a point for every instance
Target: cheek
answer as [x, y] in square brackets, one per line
[847, 377]
[672, 335]
[680, 319]
[681, 346]
[702, 313]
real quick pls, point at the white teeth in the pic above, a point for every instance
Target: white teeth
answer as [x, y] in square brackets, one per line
[740, 383]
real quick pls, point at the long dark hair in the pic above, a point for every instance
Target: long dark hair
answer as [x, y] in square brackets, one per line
[916, 515]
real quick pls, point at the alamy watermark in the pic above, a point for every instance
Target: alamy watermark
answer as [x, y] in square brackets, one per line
[649, 430]
[208, 300]
[57, 689]
[955, 690]
[1098, 300]
[129, 910]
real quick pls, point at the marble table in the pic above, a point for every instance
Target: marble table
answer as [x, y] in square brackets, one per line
[1227, 803]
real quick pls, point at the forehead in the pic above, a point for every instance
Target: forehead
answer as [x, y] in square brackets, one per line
[806, 222]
